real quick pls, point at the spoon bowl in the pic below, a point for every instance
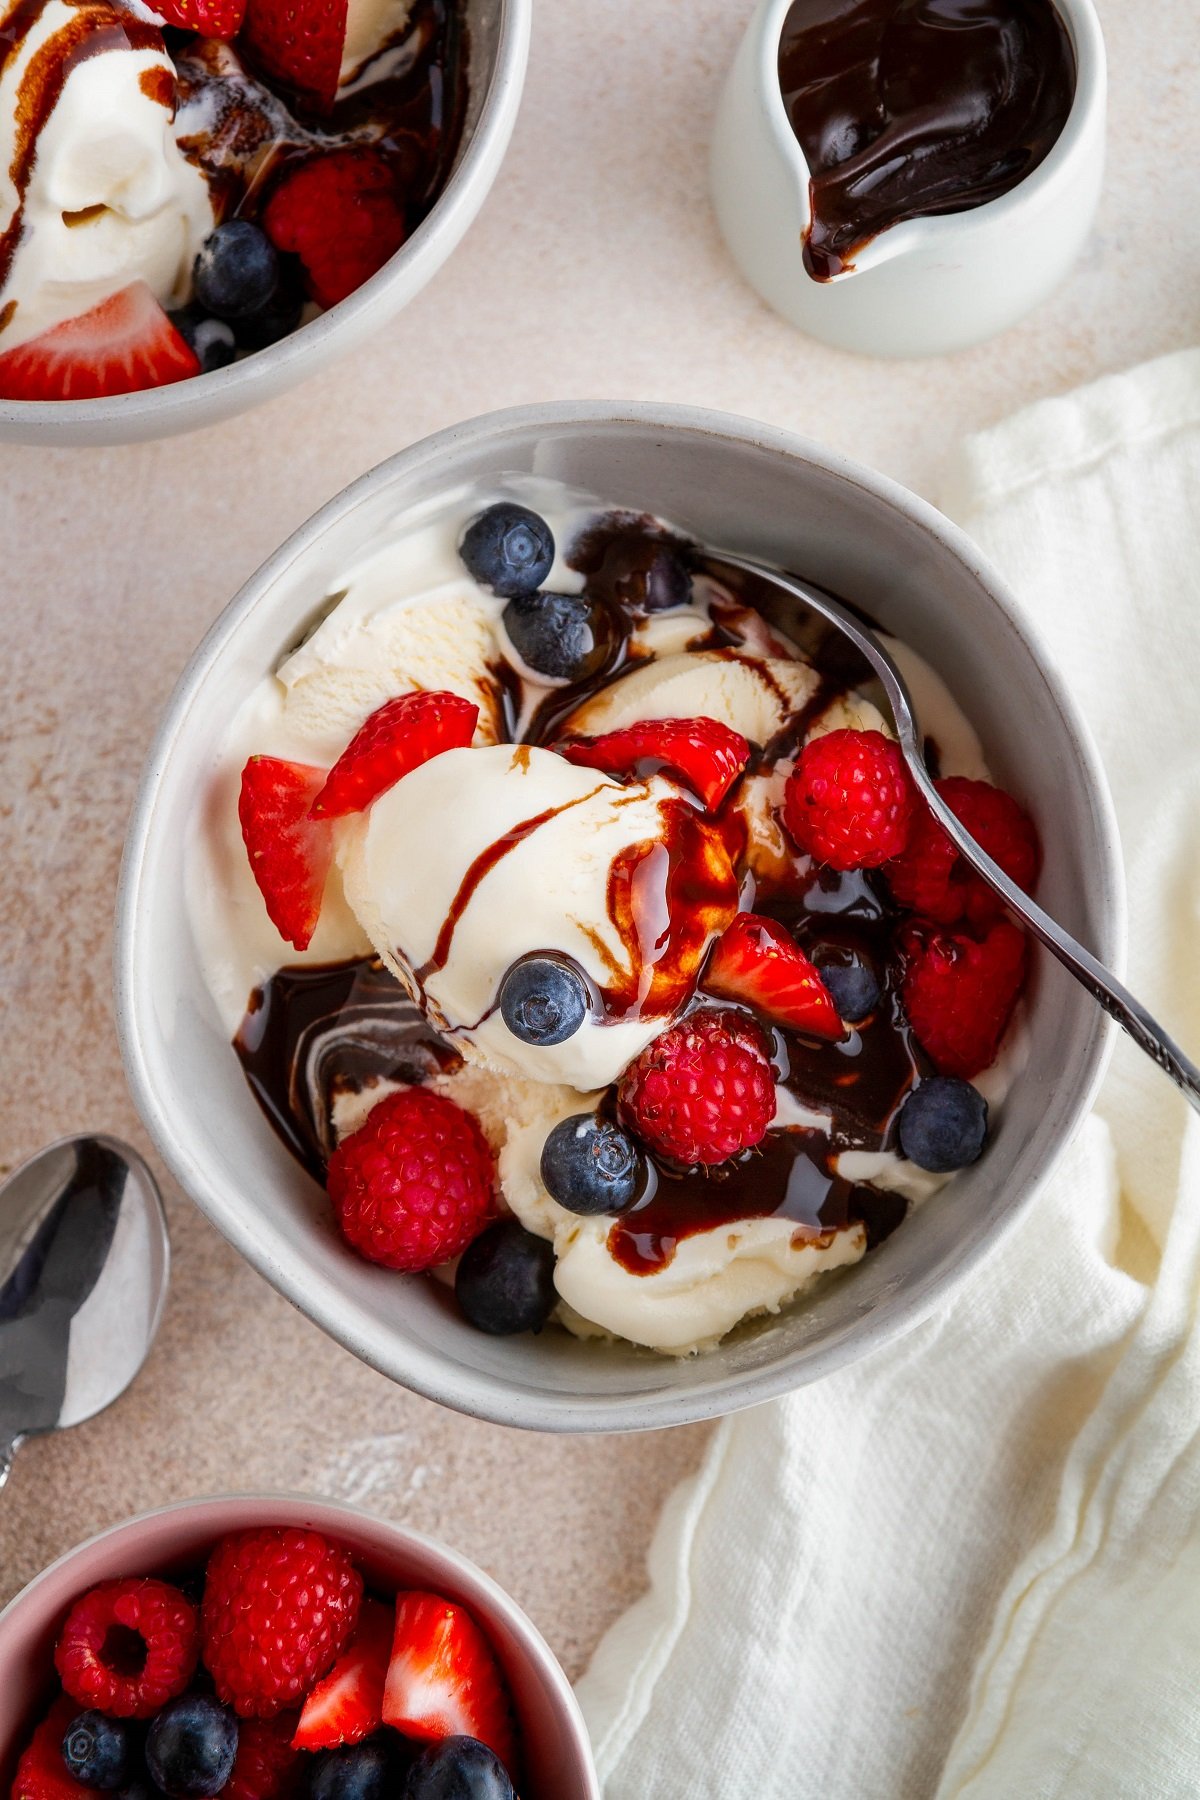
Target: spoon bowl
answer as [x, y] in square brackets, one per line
[84, 1260]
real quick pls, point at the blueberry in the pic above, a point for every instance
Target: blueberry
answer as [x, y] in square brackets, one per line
[666, 582]
[589, 1165]
[458, 1768]
[943, 1124]
[543, 1000]
[236, 271]
[277, 319]
[852, 982]
[505, 1280]
[565, 636]
[357, 1772]
[190, 1747]
[96, 1750]
[508, 549]
[211, 339]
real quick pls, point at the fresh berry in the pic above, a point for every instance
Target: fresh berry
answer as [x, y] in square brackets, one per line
[398, 737]
[209, 18]
[852, 982]
[459, 1768]
[290, 853]
[589, 1165]
[703, 1090]
[128, 1647]
[121, 346]
[943, 1124]
[508, 549]
[443, 1679]
[280, 1606]
[342, 214]
[41, 1772]
[413, 1185]
[297, 45]
[96, 1750]
[759, 963]
[236, 270]
[505, 1280]
[347, 1704]
[355, 1772]
[932, 879]
[850, 799]
[566, 637]
[543, 1000]
[660, 584]
[959, 992]
[211, 339]
[191, 1746]
[703, 754]
[279, 318]
[266, 1766]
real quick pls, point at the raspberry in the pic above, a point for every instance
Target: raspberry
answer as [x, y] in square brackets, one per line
[266, 1767]
[959, 992]
[703, 1090]
[849, 801]
[413, 1185]
[932, 879]
[128, 1647]
[341, 213]
[279, 1609]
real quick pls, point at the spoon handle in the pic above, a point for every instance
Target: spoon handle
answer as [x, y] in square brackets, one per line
[1100, 982]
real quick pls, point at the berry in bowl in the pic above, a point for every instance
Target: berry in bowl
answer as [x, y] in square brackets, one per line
[195, 186]
[632, 1042]
[304, 1651]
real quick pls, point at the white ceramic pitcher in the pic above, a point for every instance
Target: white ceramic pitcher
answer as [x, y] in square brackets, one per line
[927, 285]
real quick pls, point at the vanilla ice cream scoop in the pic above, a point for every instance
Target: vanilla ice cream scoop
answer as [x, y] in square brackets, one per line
[755, 695]
[95, 193]
[482, 857]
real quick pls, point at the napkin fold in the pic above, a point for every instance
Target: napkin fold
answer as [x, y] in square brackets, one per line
[970, 1564]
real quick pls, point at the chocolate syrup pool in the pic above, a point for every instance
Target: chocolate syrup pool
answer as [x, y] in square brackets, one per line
[908, 108]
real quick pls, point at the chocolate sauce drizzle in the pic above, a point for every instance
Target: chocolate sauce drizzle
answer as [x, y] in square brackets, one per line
[907, 108]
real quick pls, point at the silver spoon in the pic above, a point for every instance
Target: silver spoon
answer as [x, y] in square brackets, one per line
[84, 1257]
[1100, 982]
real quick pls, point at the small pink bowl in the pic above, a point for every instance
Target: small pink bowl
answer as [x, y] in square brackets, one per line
[558, 1756]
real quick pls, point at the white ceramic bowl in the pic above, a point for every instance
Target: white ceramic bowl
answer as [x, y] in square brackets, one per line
[740, 486]
[499, 50]
[925, 286]
[555, 1741]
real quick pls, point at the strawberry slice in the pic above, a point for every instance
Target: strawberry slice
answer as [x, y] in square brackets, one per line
[347, 1705]
[121, 346]
[758, 962]
[444, 1680]
[211, 18]
[298, 44]
[41, 1772]
[289, 852]
[702, 754]
[398, 737]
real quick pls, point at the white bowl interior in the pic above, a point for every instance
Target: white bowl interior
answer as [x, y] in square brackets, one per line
[170, 1541]
[744, 488]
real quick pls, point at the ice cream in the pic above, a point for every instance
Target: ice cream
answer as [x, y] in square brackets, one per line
[501, 851]
[94, 191]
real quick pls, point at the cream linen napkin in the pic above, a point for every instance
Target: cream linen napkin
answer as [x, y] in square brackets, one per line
[970, 1565]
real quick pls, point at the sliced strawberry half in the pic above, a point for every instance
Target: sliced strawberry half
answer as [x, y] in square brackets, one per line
[41, 1772]
[398, 737]
[347, 1705]
[702, 754]
[298, 45]
[289, 852]
[758, 962]
[211, 18]
[121, 346]
[444, 1680]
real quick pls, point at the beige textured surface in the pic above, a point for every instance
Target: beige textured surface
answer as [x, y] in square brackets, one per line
[594, 271]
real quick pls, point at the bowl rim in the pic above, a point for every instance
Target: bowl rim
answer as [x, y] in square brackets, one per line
[720, 1394]
[483, 1591]
[220, 393]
